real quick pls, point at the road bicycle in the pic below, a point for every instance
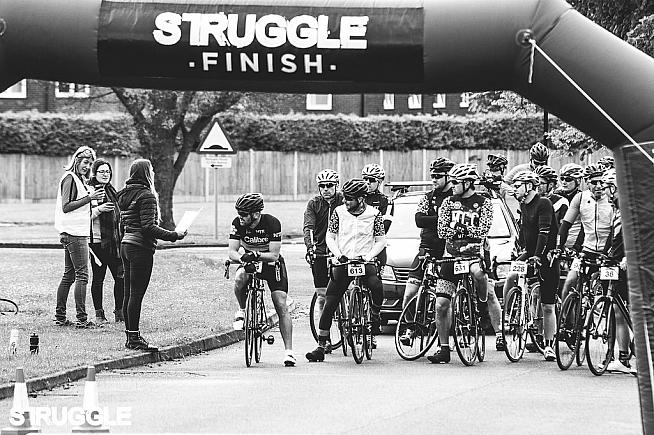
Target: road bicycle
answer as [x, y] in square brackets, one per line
[256, 319]
[7, 307]
[601, 324]
[570, 334]
[339, 319]
[416, 330]
[522, 315]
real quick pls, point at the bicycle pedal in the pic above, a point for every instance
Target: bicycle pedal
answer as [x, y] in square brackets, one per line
[269, 339]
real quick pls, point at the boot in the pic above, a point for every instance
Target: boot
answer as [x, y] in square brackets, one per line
[136, 342]
[118, 314]
[100, 317]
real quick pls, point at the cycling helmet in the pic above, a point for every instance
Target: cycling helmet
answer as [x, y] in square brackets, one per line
[464, 172]
[355, 188]
[327, 176]
[441, 165]
[546, 172]
[593, 171]
[496, 160]
[373, 170]
[609, 177]
[527, 177]
[608, 162]
[249, 202]
[539, 153]
[572, 170]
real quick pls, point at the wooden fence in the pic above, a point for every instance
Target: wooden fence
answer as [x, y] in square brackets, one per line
[279, 176]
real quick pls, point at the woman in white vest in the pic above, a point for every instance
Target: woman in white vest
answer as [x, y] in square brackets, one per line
[73, 221]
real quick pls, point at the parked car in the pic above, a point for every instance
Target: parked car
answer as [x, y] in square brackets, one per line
[403, 239]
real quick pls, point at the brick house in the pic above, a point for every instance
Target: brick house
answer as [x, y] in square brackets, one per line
[43, 96]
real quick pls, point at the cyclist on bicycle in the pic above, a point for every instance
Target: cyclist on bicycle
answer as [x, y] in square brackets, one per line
[546, 187]
[606, 162]
[316, 218]
[260, 235]
[538, 231]
[427, 219]
[373, 174]
[614, 250]
[570, 176]
[596, 215]
[464, 220]
[538, 156]
[493, 178]
[356, 230]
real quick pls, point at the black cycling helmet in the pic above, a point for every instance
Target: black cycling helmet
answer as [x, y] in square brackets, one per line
[249, 202]
[441, 165]
[355, 188]
[546, 172]
[539, 153]
[496, 161]
[593, 171]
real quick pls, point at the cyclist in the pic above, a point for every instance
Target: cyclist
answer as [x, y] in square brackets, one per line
[596, 215]
[464, 220]
[570, 176]
[538, 156]
[494, 175]
[427, 219]
[614, 250]
[538, 231]
[373, 174]
[316, 218]
[546, 187]
[260, 235]
[356, 230]
[606, 162]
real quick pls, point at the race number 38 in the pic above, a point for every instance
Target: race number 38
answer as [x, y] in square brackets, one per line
[609, 273]
[461, 267]
[355, 270]
[519, 267]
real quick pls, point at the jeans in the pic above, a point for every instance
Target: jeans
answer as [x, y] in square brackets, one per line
[137, 262]
[76, 270]
[115, 266]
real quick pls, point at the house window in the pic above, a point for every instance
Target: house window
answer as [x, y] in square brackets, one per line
[439, 101]
[465, 100]
[319, 101]
[71, 90]
[389, 101]
[18, 90]
[415, 101]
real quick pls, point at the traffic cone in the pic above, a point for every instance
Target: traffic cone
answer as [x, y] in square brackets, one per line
[92, 413]
[19, 417]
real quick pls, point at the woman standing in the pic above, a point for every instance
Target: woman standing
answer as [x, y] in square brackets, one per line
[139, 205]
[105, 241]
[73, 221]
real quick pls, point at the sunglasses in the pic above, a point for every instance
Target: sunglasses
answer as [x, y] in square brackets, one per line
[244, 213]
[595, 182]
[456, 182]
[370, 179]
[566, 179]
[326, 185]
[103, 172]
[437, 176]
[349, 198]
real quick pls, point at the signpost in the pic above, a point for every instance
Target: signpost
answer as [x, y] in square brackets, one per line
[216, 152]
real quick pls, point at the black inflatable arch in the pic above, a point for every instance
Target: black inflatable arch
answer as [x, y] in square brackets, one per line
[352, 46]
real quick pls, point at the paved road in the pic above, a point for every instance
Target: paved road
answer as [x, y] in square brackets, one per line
[214, 392]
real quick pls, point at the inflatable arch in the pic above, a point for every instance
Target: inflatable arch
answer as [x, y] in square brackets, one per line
[353, 46]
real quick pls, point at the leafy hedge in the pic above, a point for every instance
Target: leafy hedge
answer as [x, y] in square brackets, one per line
[59, 134]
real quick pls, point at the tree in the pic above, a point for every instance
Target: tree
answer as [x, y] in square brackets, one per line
[170, 122]
[617, 16]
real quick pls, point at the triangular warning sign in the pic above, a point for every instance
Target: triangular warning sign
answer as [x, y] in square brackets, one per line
[215, 142]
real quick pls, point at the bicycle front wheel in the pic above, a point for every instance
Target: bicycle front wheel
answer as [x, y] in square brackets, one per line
[567, 333]
[514, 328]
[8, 307]
[261, 323]
[250, 326]
[416, 329]
[342, 321]
[314, 321]
[536, 324]
[464, 324]
[600, 335]
[356, 336]
[367, 327]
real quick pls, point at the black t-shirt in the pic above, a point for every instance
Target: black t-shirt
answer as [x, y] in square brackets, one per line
[537, 219]
[258, 238]
[380, 202]
[427, 220]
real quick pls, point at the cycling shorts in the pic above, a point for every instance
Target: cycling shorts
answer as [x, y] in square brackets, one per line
[320, 272]
[275, 275]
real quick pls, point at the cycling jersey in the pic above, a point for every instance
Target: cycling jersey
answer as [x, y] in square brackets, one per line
[380, 202]
[538, 227]
[614, 247]
[269, 229]
[427, 220]
[596, 218]
[560, 204]
[355, 235]
[575, 233]
[316, 218]
[464, 223]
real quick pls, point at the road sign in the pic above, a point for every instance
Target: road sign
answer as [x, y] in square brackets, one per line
[216, 142]
[216, 161]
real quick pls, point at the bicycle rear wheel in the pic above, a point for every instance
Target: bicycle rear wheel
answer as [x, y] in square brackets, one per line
[514, 328]
[342, 321]
[536, 324]
[465, 327]
[567, 333]
[356, 336]
[600, 335]
[481, 343]
[260, 324]
[418, 325]
[8, 307]
[314, 321]
[250, 325]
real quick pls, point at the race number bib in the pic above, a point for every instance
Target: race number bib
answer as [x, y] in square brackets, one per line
[609, 273]
[356, 270]
[461, 267]
[576, 265]
[519, 267]
[259, 266]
